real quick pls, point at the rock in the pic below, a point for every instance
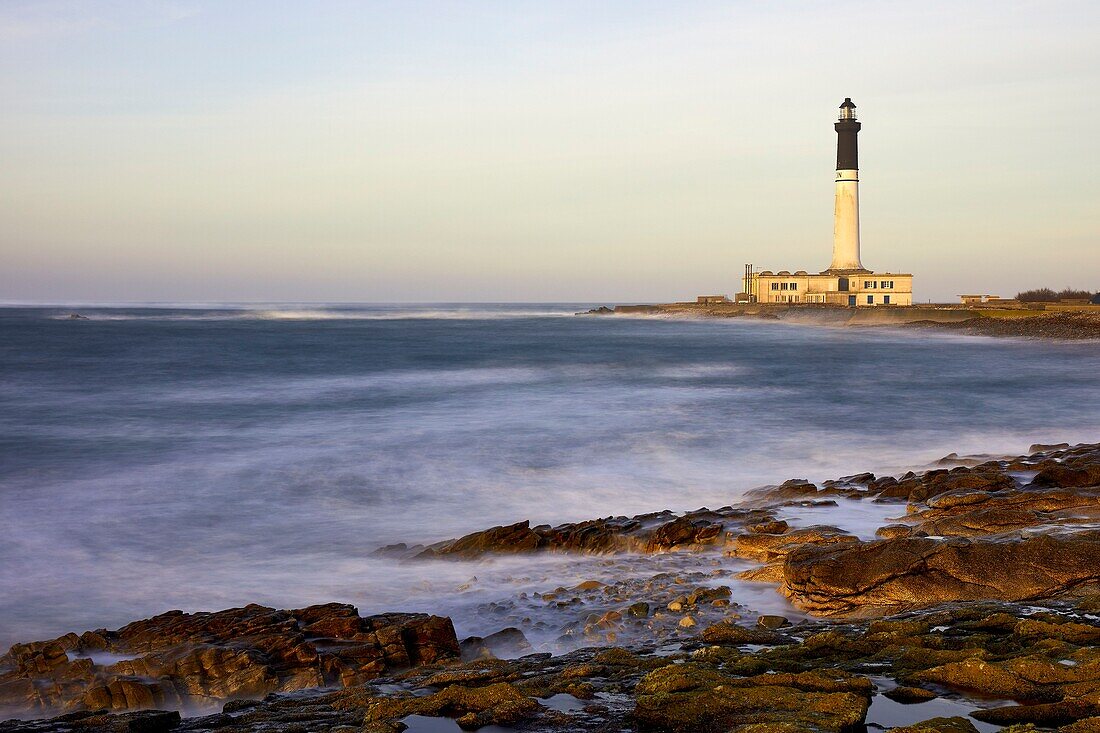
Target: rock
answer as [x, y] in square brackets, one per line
[611, 618]
[772, 622]
[588, 585]
[687, 622]
[730, 633]
[1047, 715]
[771, 573]
[1046, 447]
[181, 659]
[652, 532]
[1073, 691]
[1068, 476]
[681, 532]
[503, 644]
[512, 538]
[688, 698]
[473, 707]
[974, 513]
[916, 572]
[638, 610]
[772, 527]
[909, 695]
[144, 721]
[770, 548]
[896, 530]
[939, 725]
[933, 483]
[1077, 633]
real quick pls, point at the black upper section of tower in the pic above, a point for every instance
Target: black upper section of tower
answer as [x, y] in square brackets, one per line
[847, 149]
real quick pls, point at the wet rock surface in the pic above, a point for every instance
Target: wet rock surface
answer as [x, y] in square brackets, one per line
[181, 660]
[909, 572]
[658, 532]
[1007, 664]
[982, 574]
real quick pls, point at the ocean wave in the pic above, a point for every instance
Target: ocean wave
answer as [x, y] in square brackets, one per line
[315, 314]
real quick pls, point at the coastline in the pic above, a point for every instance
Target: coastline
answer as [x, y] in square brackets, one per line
[1081, 323]
[980, 584]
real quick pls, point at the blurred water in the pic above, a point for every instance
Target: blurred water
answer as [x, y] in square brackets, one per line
[155, 458]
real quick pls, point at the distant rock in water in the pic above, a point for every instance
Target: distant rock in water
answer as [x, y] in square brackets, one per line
[655, 532]
[603, 310]
[77, 317]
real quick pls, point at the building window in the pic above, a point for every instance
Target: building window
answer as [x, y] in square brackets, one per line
[794, 286]
[888, 284]
[870, 300]
[886, 300]
[775, 286]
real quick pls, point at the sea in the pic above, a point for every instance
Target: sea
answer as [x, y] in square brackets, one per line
[200, 457]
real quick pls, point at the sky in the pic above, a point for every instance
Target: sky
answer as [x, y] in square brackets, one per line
[551, 150]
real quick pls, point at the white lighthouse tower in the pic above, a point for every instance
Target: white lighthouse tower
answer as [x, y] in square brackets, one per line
[846, 208]
[847, 282]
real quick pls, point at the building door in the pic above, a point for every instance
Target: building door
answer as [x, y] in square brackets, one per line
[851, 300]
[886, 300]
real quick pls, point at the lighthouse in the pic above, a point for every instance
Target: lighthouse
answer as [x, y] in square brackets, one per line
[847, 282]
[846, 206]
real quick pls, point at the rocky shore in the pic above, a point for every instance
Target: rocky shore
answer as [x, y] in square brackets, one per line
[1065, 326]
[975, 607]
[1035, 324]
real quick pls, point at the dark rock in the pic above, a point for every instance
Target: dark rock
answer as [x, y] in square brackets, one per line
[1046, 715]
[179, 658]
[683, 531]
[728, 632]
[772, 527]
[938, 725]
[1067, 476]
[473, 707]
[504, 644]
[772, 622]
[593, 537]
[1046, 447]
[933, 483]
[909, 695]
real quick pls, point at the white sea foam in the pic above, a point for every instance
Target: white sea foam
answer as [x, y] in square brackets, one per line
[320, 313]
